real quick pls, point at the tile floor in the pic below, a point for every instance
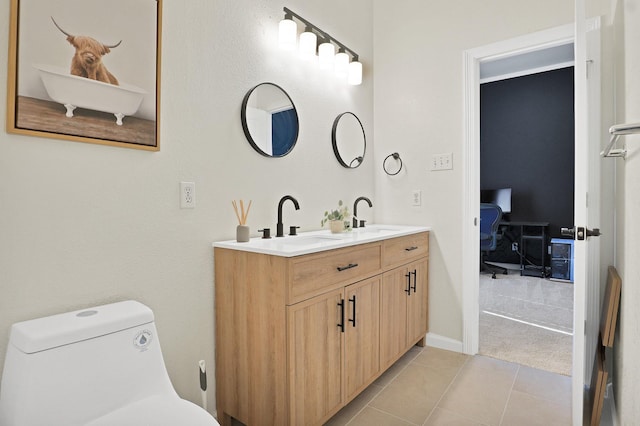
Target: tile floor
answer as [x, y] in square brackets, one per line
[430, 386]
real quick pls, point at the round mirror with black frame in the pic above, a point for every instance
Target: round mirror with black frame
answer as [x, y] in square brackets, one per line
[270, 120]
[349, 141]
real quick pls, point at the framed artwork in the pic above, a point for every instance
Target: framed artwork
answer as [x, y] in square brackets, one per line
[86, 71]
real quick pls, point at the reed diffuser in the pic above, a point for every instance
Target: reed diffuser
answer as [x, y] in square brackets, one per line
[242, 230]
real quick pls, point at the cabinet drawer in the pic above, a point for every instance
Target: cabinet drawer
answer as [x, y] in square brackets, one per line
[405, 249]
[313, 274]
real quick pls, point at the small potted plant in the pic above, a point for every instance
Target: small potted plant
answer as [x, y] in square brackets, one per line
[338, 218]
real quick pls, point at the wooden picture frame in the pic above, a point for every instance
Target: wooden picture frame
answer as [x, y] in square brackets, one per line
[86, 71]
[610, 307]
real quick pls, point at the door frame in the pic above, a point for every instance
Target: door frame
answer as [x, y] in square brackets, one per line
[471, 162]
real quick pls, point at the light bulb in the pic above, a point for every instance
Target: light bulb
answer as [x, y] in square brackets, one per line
[355, 73]
[326, 52]
[341, 64]
[287, 32]
[307, 45]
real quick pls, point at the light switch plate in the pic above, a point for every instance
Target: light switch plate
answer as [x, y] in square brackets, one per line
[442, 161]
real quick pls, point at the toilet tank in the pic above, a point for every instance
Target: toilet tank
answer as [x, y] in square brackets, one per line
[73, 367]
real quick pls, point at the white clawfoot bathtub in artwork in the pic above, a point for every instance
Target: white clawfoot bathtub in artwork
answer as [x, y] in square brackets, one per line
[73, 91]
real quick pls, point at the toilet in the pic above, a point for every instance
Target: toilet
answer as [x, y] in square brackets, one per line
[98, 366]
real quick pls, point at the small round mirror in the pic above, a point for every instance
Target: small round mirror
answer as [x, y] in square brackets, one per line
[349, 141]
[269, 120]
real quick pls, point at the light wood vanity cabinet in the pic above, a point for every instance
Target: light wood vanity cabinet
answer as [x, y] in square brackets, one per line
[297, 338]
[404, 302]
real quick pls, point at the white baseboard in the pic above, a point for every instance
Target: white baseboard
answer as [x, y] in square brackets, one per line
[442, 342]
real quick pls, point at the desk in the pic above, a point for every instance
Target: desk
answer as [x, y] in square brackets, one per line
[531, 231]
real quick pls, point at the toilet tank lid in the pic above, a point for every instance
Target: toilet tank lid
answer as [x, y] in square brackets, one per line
[62, 329]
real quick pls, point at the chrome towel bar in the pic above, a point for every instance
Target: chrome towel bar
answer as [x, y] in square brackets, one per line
[616, 131]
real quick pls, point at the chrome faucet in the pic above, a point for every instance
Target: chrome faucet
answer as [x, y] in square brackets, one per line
[355, 210]
[280, 226]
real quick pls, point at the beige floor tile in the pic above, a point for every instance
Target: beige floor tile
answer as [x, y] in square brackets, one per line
[543, 384]
[414, 393]
[492, 365]
[372, 417]
[441, 417]
[343, 416]
[398, 366]
[527, 410]
[481, 390]
[441, 360]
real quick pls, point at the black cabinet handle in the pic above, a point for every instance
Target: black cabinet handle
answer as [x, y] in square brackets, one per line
[353, 300]
[411, 248]
[341, 323]
[349, 266]
[415, 279]
[408, 289]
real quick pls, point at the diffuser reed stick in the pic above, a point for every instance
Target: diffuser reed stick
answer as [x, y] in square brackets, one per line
[241, 215]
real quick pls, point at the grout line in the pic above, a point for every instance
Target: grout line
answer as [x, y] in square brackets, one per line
[384, 387]
[528, 323]
[437, 404]
[504, 411]
[393, 415]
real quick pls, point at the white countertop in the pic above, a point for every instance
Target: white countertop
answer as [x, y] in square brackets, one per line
[316, 241]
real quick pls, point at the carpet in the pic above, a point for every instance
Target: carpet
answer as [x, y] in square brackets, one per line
[527, 320]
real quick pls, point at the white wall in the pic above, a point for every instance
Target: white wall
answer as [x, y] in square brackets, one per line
[627, 370]
[82, 224]
[418, 108]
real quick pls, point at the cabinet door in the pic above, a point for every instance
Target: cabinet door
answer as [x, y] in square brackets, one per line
[417, 302]
[393, 315]
[315, 358]
[362, 335]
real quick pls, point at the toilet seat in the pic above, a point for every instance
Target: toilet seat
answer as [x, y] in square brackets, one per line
[158, 410]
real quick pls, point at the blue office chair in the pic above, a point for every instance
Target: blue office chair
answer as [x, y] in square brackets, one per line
[490, 216]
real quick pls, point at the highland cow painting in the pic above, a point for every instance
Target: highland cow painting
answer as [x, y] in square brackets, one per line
[86, 71]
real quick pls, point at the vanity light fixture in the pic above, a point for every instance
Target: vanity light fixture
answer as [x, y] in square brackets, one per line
[343, 65]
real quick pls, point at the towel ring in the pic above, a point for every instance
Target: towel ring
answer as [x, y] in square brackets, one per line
[395, 156]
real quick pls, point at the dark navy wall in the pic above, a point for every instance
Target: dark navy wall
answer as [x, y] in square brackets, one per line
[527, 144]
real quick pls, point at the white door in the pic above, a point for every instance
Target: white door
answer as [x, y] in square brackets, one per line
[587, 181]
[586, 204]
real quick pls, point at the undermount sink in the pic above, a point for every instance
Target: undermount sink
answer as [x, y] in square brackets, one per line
[306, 240]
[374, 229]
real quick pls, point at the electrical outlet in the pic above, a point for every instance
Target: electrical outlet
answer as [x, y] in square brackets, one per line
[442, 161]
[514, 246]
[187, 195]
[416, 197]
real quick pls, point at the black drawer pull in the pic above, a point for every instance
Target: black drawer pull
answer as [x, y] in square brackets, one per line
[354, 310]
[349, 266]
[415, 279]
[408, 289]
[341, 324]
[411, 248]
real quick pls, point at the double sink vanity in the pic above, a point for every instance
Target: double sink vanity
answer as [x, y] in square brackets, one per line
[305, 323]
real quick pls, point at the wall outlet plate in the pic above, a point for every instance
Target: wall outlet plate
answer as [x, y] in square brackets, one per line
[416, 197]
[187, 195]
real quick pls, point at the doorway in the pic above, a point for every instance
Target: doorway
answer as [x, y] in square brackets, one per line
[501, 50]
[527, 169]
